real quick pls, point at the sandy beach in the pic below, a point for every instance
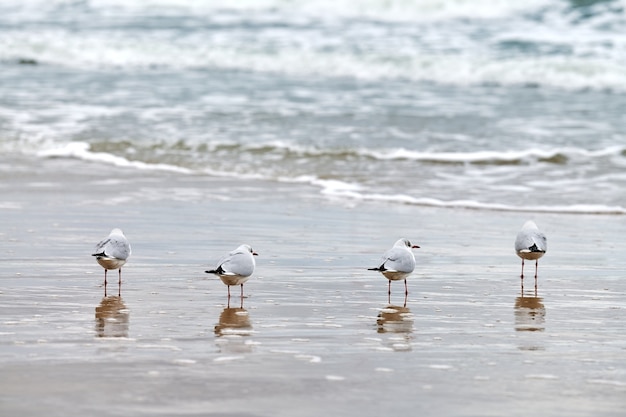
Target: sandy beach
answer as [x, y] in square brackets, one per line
[315, 335]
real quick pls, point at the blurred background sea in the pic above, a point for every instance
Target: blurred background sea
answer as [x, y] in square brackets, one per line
[485, 104]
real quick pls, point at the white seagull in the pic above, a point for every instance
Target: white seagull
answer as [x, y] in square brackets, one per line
[236, 267]
[530, 244]
[112, 253]
[397, 263]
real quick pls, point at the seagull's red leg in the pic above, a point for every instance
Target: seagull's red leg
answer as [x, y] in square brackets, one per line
[406, 289]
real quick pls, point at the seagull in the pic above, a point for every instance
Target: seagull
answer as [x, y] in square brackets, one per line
[236, 267]
[112, 253]
[530, 244]
[397, 263]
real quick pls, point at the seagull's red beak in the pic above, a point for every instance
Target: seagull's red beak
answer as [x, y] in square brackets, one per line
[255, 254]
[415, 247]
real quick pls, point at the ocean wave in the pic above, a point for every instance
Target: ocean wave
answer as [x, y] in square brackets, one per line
[253, 37]
[60, 48]
[345, 189]
[81, 151]
[393, 10]
[287, 150]
[514, 157]
[475, 205]
[558, 156]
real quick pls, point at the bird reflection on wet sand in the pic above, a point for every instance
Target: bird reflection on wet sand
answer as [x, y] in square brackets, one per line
[112, 317]
[233, 321]
[395, 319]
[232, 329]
[530, 314]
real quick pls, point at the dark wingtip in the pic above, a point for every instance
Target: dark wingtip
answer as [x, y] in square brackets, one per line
[98, 254]
[211, 271]
[375, 269]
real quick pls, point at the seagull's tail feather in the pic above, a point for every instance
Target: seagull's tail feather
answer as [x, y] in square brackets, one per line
[217, 271]
[378, 268]
[98, 254]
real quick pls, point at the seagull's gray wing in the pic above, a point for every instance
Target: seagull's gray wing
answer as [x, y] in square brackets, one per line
[399, 259]
[118, 247]
[114, 246]
[531, 240]
[238, 262]
[99, 249]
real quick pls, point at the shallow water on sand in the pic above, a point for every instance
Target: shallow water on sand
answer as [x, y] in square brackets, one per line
[316, 333]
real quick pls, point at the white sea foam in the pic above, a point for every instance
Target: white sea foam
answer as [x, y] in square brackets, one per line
[476, 205]
[401, 10]
[58, 47]
[490, 156]
[331, 185]
[596, 61]
[80, 150]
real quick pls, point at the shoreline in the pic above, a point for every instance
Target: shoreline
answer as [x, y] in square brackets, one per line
[345, 193]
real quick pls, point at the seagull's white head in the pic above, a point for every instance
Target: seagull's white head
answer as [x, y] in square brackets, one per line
[530, 225]
[406, 242]
[248, 248]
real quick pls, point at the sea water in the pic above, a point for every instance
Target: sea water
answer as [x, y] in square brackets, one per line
[487, 105]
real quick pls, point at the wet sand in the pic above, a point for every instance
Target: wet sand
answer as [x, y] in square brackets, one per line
[315, 334]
